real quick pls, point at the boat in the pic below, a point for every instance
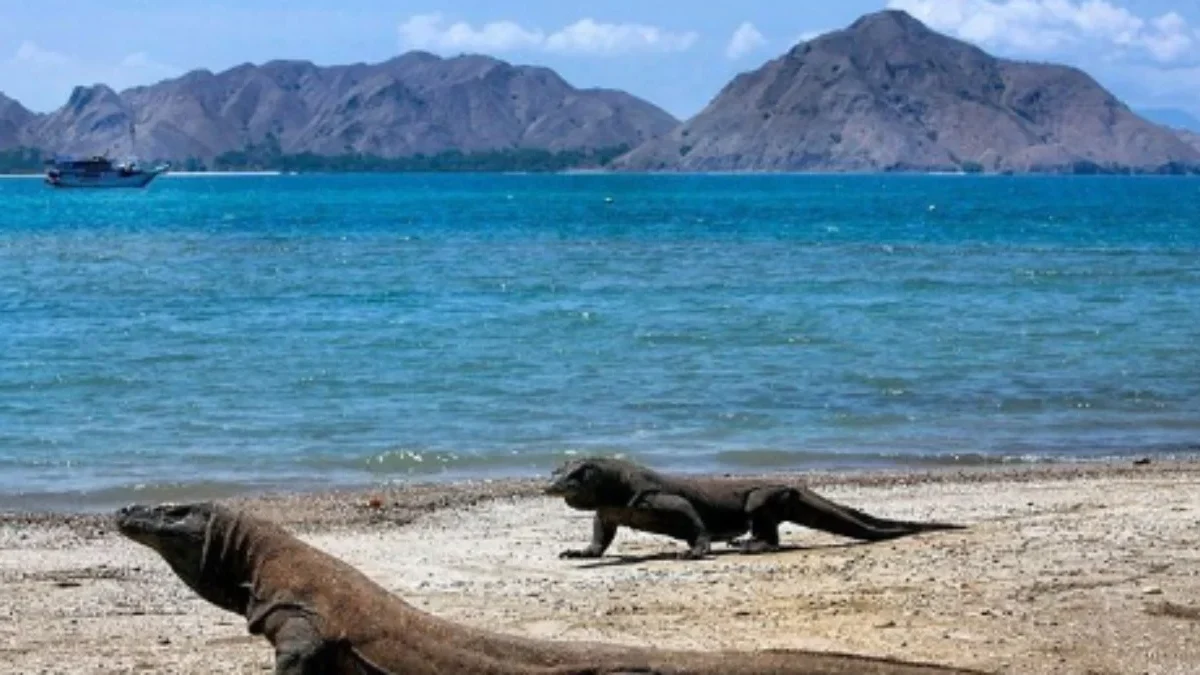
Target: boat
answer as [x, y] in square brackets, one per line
[99, 172]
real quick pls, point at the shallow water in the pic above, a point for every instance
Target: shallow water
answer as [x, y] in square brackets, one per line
[215, 334]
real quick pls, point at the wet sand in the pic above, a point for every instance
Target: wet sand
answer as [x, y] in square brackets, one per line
[1067, 569]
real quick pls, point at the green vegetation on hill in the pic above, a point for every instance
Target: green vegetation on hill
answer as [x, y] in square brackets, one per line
[268, 157]
[21, 160]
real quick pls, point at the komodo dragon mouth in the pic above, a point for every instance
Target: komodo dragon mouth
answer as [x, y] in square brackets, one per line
[183, 534]
[141, 522]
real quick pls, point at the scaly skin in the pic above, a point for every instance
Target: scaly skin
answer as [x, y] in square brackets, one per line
[703, 510]
[324, 616]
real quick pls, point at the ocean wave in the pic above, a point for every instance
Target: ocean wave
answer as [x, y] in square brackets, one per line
[799, 459]
[427, 462]
[115, 495]
[311, 474]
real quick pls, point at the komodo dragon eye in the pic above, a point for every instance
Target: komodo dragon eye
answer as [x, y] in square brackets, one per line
[183, 514]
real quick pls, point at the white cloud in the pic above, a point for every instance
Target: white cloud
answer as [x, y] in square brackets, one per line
[1042, 27]
[591, 37]
[430, 31]
[1171, 41]
[30, 53]
[42, 79]
[586, 36]
[745, 39]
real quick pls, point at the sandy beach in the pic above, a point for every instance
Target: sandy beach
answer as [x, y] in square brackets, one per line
[1067, 569]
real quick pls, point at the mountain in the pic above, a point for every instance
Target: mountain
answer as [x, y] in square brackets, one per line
[13, 120]
[888, 94]
[415, 103]
[1171, 117]
[91, 113]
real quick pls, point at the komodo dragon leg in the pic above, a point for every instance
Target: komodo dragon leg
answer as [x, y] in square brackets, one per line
[299, 650]
[676, 517]
[673, 516]
[768, 507]
[299, 647]
[603, 532]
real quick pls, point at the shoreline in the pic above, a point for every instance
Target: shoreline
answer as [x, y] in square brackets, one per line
[109, 497]
[426, 495]
[180, 174]
[1078, 569]
[681, 173]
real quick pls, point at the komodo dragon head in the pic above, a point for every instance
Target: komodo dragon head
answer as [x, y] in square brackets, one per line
[591, 482]
[200, 543]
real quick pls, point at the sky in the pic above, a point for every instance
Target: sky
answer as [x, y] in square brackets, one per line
[675, 53]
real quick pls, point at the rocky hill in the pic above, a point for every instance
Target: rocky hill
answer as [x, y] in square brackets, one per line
[415, 103]
[887, 94]
[14, 118]
[1190, 137]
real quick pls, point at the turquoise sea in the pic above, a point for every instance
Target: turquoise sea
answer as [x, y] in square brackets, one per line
[216, 334]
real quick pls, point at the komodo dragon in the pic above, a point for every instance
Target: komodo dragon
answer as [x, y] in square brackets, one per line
[702, 510]
[324, 616]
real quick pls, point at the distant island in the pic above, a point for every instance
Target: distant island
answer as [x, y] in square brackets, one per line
[415, 112]
[889, 94]
[886, 94]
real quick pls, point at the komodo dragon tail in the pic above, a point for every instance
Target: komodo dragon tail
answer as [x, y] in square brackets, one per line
[805, 507]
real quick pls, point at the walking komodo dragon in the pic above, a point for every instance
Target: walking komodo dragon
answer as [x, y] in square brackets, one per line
[703, 510]
[324, 616]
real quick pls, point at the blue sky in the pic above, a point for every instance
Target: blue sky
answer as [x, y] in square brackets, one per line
[675, 53]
